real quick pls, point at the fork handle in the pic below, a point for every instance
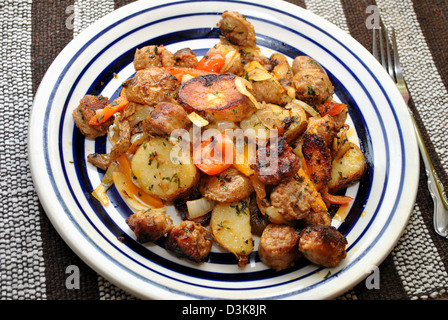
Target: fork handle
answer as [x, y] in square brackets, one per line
[434, 185]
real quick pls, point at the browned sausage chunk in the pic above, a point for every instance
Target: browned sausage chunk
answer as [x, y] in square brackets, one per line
[151, 86]
[149, 225]
[278, 246]
[303, 63]
[228, 186]
[317, 218]
[269, 91]
[237, 29]
[165, 118]
[190, 240]
[292, 199]
[276, 162]
[312, 86]
[86, 111]
[185, 58]
[323, 245]
[153, 56]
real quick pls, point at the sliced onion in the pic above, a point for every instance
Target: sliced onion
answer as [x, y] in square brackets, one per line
[223, 125]
[274, 216]
[199, 207]
[197, 120]
[242, 85]
[231, 56]
[307, 108]
[100, 192]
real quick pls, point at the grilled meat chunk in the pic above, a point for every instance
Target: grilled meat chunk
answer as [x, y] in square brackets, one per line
[149, 225]
[276, 162]
[190, 240]
[323, 245]
[153, 56]
[85, 111]
[165, 118]
[279, 246]
[235, 28]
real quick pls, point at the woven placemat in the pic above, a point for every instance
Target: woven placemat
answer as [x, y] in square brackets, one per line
[34, 258]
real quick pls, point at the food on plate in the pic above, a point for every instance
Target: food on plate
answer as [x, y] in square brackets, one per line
[230, 227]
[157, 173]
[189, 239]
[279, 246]
[323, 245]
[150, 225]
[244, 146]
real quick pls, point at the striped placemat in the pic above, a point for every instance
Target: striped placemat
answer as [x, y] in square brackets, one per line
[33, 257]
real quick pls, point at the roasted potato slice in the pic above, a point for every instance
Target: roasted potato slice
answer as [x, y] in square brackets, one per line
[230, 227]
[160, 173]
[317, 158]
[215, 96]
[347, 169]
[296, 124]
[228, 186]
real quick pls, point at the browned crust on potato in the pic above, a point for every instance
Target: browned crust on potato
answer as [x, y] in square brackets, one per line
[318, 159]
[215, 96]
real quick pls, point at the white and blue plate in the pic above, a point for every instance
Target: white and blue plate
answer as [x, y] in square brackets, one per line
[100, 59]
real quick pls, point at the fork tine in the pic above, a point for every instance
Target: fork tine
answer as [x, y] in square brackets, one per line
[389, 56]
[398, 72]
[374, 47]
[383, 59]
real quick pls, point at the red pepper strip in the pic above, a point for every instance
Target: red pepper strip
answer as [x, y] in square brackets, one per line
[179, 72]
[102, 115]
[210, 156]
[212, 63]
[332, 108]
[333, 199]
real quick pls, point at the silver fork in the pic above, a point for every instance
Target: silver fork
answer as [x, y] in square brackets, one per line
[391, 62]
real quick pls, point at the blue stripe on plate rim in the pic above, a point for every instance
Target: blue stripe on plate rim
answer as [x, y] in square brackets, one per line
[321, 30]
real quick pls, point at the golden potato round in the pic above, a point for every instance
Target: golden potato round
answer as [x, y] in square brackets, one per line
[161, 172]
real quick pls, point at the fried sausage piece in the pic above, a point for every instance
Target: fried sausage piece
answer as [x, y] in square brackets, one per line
[149, 225]
[190, 240]
[85, 111]
[312, 86]
[317, 218]
[303, 63]
[153, 56]
[235, 28]
[228, 186]
[292, 199]
[165, 118]
[323, 245]
[279, 246]
[151, 86]
[185, 58]
[269, 91]
[276, 162]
